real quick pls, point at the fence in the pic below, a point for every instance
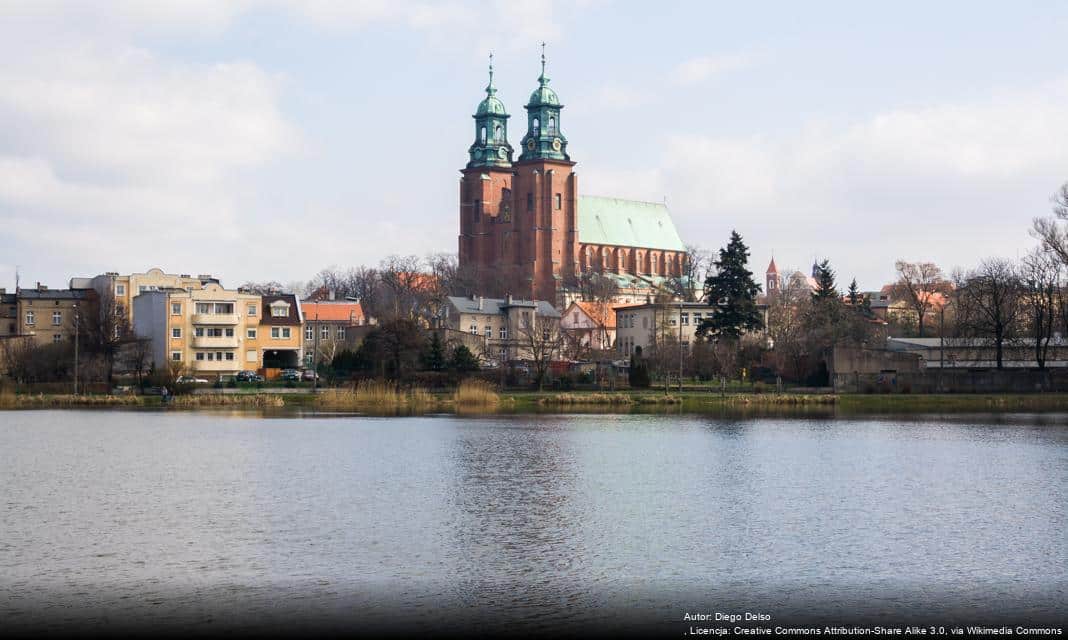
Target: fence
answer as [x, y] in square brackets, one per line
[954, 381]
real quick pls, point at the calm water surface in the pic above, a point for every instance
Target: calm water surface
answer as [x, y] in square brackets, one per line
[242, 521]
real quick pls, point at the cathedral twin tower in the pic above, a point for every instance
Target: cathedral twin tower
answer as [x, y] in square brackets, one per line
[519, 227]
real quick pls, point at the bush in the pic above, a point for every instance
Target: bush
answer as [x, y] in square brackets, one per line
[231, 383]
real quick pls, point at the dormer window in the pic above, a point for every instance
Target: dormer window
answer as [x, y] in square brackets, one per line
[279, 309]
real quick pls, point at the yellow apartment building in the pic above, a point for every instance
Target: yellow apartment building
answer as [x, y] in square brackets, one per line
[125, 288]
[209, 332]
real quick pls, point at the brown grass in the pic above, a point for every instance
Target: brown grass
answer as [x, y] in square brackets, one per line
[475, 394]
[256, 400]
[9, 400]
[375, 395]
[587, 398]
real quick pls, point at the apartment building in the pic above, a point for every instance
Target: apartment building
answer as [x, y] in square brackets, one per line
[9, 314]
[644, 325]
[329, 327]
[49, 315]
[124, 288]
[590, 325]
[210, 331]
[280, 340]
[506, 325]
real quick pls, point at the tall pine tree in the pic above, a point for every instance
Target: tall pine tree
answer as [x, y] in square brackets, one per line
[732, 293]
[826, 289]
[854, 293]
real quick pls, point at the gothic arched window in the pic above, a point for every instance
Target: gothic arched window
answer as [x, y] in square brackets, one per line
[482, 135]
[552, 126]
[535, 126]
[498, 133]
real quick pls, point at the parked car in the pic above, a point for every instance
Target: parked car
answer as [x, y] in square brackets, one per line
[190, 380]
[290, 375]
[248, 376]
[309, 375]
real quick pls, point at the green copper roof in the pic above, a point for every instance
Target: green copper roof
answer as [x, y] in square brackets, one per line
[491, 105]
[626, 223]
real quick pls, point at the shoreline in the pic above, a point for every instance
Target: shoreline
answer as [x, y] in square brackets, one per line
[586, 402]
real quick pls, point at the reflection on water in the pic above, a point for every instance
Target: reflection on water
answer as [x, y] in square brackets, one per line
[246, 521]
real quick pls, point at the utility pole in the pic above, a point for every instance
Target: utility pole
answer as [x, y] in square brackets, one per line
[77, 330]
[680, 346]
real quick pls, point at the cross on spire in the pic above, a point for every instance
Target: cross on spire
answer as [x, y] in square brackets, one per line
[543, 58]
[490, 89]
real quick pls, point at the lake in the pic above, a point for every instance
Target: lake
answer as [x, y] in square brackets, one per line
[116, 520]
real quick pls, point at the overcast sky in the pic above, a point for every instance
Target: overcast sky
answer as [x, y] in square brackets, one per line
[266, 140]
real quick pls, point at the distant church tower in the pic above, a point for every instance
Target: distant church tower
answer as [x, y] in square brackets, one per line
[771, 279]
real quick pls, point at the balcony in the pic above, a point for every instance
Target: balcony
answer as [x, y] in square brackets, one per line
[204, 342]
[215, 366]
[215, 318]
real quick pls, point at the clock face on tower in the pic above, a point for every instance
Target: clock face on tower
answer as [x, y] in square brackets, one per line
[478, 153]
[556, 144]
[502, 153]
[530, 144]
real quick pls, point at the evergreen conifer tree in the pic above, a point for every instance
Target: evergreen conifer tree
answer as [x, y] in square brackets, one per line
[463, 361]
[732, 292]
[434, 358]
[854, 293]
[826, 289]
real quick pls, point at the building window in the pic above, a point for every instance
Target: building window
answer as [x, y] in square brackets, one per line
[58, 337]
[176, 356]
[504, 333]
[230, 355]
[250, 334]
[685, 319]
[57, 318]
[498, 133]
[474, 329]
[324, 332]
[552, 126]
[280, 310]
[176, 309]
[309, 333]
[482, 135]
[31, 319]
[198, 332]
[556, 202]
[229, 332]
[489, 332]
[275, 333]
[252, 310]
[176, 332]
[120, 290]
[341, 333]
[285, 332]
[203, 308]
[537, 125]
[199, 355]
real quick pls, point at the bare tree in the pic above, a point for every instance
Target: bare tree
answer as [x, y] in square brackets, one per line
[688, 285]
[263, 288]
[1041, 277]
[104, 328]
[406, 286]
[921, 285]
[541, 340]
[787, 327]
[597, 287]
[989, 303]
[1054, 236]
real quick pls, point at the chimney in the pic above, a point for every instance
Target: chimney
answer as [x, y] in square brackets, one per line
[41, 287]
[480, 303]
[508, 298]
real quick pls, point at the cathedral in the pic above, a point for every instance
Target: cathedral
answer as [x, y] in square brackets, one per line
[526, 231]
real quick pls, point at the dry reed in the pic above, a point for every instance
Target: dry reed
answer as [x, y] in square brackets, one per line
[475, 394]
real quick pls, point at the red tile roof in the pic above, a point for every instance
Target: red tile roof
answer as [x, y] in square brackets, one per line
[332, 311]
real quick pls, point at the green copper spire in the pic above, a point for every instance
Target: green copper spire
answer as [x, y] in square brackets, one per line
[491, 148]
[544, 139]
